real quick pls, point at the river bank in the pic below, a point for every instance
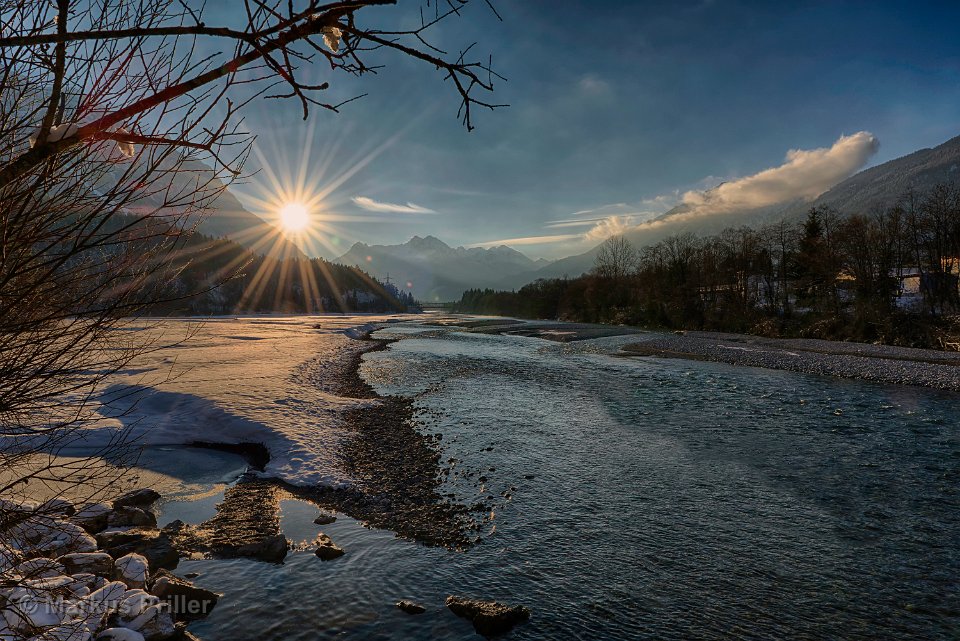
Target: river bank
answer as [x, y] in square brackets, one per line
[886, 364]
[877, 363]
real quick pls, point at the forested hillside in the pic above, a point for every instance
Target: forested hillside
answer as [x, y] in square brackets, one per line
[888, 276]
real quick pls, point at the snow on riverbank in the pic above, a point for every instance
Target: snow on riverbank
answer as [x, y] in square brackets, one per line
[266, 380]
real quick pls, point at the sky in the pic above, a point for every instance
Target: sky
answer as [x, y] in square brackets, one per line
[617, 112]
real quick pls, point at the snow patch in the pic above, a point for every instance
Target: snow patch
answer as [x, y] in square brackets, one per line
[273, 388]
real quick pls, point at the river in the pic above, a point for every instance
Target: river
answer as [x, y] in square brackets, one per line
[637, 498]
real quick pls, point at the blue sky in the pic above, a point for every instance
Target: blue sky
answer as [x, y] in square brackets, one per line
[617, 109]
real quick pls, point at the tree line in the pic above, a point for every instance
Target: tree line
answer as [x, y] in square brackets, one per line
[890, 275]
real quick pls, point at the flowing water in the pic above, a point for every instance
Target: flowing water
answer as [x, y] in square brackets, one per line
[651, 499]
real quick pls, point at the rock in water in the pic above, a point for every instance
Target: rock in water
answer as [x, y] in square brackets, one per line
[327, 550]
[410, 607]
[136, 498]
[325, 518]
[489, 618]
[187, 601]
[272, 549]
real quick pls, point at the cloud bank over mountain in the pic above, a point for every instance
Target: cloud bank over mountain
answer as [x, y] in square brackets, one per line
[804, 174]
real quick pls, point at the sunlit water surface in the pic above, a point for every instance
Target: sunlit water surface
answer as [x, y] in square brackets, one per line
[655, 499]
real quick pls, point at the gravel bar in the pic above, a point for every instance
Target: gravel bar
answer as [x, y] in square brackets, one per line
[878, 363]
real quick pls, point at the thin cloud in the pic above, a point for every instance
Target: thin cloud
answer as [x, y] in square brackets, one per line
[602, 209]
[633, 218]
[600, 229]
[585, 222]
[530, 240]
[373, 205]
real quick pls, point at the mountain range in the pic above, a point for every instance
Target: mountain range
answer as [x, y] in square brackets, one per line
[435, 271]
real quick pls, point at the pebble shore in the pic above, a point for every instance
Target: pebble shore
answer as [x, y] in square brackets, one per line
[878, 363]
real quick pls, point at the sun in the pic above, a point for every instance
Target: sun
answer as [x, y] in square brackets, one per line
[294, 217]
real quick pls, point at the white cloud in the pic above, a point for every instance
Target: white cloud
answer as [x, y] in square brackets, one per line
[610, 226]
[594, 85]
[804, 174]
[372, 205]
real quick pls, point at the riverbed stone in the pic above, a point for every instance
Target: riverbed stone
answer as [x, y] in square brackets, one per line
[410, 607]
[489, 618]
[99, 563]
[325, 518]
[327, 550]
[155, 546]
[132, 569]
[92, 517]
[57, 507]
[129, 516]
[137, 498]
[187, 601]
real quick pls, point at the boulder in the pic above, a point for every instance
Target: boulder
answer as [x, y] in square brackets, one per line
[134, 603]
[112, 538]
[92, 517]
[89, 580]
[40, 568]
[126, 516]
[325, 518]
[272, 549]
[14, 505]
[489, 618]
[174, 527]
[410, 607]
[69, 631]
[187, 602]
[57, 507]
[41, 535]
[137, 498]
[160, 627]
[132, 569]
[120, 634]
[99, 563]
[154, 623]
[327, 550]
[155, 546]
[101, 602]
